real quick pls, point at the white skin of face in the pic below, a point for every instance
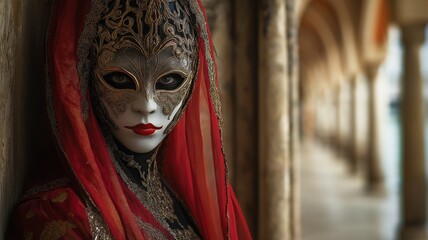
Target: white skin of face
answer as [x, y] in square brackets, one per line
[140, 105]
[143, 111]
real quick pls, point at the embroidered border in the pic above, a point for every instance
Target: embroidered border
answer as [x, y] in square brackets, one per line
[152, 232]
[99, 228]
[195, 7]
[60, 182]
[160, 210]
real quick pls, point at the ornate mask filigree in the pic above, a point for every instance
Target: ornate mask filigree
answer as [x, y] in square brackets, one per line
[147, 27]
[145, 49]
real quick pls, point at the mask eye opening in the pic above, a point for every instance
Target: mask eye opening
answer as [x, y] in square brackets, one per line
[170, 82]
[119, 80]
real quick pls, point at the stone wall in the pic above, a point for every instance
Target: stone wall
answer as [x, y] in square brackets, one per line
[23, 124]
[10, 82]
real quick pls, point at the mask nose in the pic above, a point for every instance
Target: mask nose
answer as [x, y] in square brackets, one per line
[144, 105]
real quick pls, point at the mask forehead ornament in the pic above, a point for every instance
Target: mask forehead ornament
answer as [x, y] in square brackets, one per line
[146, 25]
[160, 31]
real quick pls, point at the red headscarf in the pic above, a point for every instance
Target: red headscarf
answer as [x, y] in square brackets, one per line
[192, 156]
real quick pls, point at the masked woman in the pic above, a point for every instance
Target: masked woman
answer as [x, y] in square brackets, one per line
[135, 112]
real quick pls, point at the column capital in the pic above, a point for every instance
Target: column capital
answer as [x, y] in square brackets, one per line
[413, 34]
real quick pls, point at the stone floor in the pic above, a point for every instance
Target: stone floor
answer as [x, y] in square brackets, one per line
[335, 205]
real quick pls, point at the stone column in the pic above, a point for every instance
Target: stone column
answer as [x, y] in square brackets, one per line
[331, 111]
[246, 123]
[274, 165]
[330, 106]
[294, 107]
[11, 171]
[337, 127]
[326, 108]
[353, 156]
[374, 176]
[322, 132]
[414, 198]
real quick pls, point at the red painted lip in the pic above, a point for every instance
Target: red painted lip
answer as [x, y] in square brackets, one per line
[144, 129]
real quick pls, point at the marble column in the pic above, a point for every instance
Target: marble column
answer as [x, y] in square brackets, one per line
[337, 126]
[374, 175]
[245, 99]
[333, 115]
[353, 156]
[414, 198]
[274, 133]
[294, 110]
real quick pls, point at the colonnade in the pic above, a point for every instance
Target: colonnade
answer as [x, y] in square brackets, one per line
[262, 104]
[413, 192]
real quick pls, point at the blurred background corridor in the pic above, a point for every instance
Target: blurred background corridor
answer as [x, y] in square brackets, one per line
[334, 203]
[324, 112]
[363, 165]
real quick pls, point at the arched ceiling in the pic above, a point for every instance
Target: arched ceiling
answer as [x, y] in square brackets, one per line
[375, 20]
[333, 36]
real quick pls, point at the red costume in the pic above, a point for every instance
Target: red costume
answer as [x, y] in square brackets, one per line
[97, 200]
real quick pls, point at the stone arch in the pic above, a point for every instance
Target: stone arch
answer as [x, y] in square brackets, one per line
[348, 33]
[374, 21]
[317, 22]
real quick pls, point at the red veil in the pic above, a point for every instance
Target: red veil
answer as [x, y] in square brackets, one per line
[192, 156]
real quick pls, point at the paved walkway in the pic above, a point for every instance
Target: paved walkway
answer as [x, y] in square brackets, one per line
[334, 204]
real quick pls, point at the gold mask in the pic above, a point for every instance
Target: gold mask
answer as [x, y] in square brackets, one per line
[145, 47]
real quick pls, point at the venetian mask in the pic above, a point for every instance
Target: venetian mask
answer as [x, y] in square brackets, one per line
[146, 62]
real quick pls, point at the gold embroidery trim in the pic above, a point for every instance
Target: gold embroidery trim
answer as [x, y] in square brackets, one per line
[215, 96]
[55, 230]
[151, 231]
[99, 229]
[155, 196]
[61, 182]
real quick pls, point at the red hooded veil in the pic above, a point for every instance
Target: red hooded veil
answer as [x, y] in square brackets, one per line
[103, 205]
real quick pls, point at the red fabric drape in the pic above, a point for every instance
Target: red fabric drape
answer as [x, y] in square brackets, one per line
[191, 156]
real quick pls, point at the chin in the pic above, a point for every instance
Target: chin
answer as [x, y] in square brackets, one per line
[142, 149]
[145, 145]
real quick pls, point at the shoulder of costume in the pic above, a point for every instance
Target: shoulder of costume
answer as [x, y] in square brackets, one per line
[36, 190]
[50, 211]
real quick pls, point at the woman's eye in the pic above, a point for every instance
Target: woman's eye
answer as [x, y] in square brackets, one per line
[119, 80]
[169, 82]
